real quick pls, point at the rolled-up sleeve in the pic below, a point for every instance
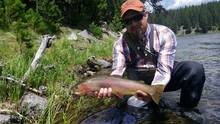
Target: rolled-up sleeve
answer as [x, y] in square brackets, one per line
[166, 58]
[118, 66]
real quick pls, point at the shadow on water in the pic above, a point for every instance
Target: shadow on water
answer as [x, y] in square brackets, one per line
[204, 49]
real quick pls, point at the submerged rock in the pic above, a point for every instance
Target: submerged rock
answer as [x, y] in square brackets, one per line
[32, 105]
[108, 116]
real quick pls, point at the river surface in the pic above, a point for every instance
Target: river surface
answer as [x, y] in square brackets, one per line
[204, 49]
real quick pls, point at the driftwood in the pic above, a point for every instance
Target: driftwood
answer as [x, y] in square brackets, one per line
[10, 112]
[45, 43]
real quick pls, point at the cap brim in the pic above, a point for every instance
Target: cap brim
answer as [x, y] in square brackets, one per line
[131, 8]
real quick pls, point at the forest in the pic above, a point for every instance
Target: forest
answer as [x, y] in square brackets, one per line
[200, 18]
[46, 16]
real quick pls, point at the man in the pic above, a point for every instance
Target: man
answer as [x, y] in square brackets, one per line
[147, 52]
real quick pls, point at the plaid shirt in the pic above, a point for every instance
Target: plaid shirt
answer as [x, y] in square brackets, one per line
[164, 43]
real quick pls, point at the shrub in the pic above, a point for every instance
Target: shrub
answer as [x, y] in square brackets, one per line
[116, 24]
[95, 30]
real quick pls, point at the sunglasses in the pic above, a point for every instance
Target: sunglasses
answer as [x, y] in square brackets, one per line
[135, 18]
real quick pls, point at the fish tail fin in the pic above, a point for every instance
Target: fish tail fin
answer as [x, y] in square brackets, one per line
[157, 94]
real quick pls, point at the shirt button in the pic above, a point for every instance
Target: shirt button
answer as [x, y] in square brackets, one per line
[145, 54]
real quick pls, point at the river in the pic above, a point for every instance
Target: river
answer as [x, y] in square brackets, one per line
[204, 49]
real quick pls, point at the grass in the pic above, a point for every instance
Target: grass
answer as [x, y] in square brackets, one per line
[64, 55]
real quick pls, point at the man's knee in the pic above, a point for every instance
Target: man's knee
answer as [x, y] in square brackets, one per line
[195, 70]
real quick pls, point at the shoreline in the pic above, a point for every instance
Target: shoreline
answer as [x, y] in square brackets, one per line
[193, 34]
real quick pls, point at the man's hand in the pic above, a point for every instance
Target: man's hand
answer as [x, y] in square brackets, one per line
[104, 92]
[143, 96]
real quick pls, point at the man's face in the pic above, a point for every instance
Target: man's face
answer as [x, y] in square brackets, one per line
[136, 23]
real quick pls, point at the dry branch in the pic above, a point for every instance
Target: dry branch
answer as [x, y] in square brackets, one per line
[11, 79]
[46, 42]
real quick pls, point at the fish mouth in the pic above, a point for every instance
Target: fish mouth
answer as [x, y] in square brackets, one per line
[78, 92]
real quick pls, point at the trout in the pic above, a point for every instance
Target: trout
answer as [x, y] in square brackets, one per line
[120, 87]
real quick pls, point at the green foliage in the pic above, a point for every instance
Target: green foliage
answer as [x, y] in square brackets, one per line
[22, 34]
[116, 24]
[95, 30]
[51, 16]
[10, 11]
[2, 19]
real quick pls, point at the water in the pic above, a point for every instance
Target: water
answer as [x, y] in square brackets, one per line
[204, 49]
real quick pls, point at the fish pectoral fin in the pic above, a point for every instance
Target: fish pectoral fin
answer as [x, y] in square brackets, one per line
[157, 94]
[119, 95]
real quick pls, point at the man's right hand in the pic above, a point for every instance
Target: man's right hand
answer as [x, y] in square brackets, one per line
[104, 92]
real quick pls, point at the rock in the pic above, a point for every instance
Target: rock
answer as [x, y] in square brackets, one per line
[32, 104]
[84, 34]
[8, 119]
[108, 116]
[72, 36]
[105, 35]
[104, 63]
[195, 116]
[113, 34]
[90, 73]
[97, 64]
[93, 64]
[43, 89]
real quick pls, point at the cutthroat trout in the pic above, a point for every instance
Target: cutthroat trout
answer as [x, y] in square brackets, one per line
[120, 87]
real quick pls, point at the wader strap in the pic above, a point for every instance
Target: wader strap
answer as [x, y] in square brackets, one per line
[152, 51]
[152, 38]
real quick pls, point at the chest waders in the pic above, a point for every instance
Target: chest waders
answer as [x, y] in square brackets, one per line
[150, 57]
[189, 76]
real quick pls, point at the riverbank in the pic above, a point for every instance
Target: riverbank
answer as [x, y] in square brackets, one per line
[184, 32]
[57, 71]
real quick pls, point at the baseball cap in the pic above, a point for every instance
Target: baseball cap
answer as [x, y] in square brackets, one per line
[136, 5]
